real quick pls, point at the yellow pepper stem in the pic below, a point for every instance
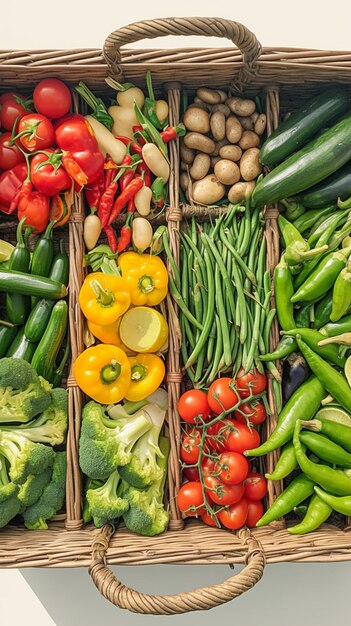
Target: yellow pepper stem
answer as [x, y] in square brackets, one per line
[146, 284]
[110, 372]
[105, 297]
[138, 372]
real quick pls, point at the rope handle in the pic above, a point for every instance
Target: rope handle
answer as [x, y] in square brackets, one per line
[197, 600]
[241, 36]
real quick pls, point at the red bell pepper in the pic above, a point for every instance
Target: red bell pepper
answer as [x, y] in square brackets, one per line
[10, 186]
[74, 134]
[36, 211]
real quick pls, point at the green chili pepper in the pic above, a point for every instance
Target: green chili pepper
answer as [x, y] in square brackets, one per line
[293, 209]
[159, 192]
[335, 431]
[327, 225]
[325, 449]
[341, 294]
[287, 345]
[333, 480]
[297, 248]
[340, 504]
[312, 337]
[151, 130]
[317, 513]
[331, 380]
[323, 277]
[322, 310]
[283, 287]
[286, 463]
[308, 219]
[298, 490]
[303, 403]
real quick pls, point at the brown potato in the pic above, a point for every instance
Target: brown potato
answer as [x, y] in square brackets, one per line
[217, 124]
[187, 155]
[227, 172]
[197, 119]
[222, 108]
[233, 129]
[246, 122]
[250, 166]
[249, 139]
[254, 116]
[260, 124]
[241, 106]
[223, 95]
[233, 153]
[184, 181]
[210, 96]
[240, 191]
[208, 190]
[200, 166]
[199, 142]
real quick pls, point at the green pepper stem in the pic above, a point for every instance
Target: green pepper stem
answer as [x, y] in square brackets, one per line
[146, 284]
[110, 372]
[139, 372]
[104, 297]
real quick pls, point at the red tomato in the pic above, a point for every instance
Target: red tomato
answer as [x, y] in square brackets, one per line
[221, 395]
[191, 473]
[52, 98]
[222, 494]
[190, 499]
[232, 468]
[253, 414]
[9, 155]
[217, 434]
[74, 134]
[208, 465]
[193, 406]
[255, 486]
[10, 95]
[209, 519]
[234, 516]
[47, 175]
[13, 106]
[190, 446]
[254, 513]
[38, 132]
[242, 438]
[250, 384]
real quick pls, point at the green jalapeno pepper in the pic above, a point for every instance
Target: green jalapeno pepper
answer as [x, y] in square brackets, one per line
[286, 463]
[325, 449]
[335, 431]
[323, 277]
[297, 248]
[312, 337]
[332, 329]
[298, 490]
[287, 345]
[341, 504]
[341, 294]
[317, 513]
[284, 289]
[322, 310]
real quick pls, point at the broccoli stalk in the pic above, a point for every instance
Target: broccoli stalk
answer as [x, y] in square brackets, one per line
[104, 503]
[10, 505]
[23, 394]
[107, 443]
[51, 501]
[24, 456]
[143, 469]
[146, 514]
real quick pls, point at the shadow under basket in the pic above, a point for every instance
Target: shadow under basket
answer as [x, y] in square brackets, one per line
[283, 78]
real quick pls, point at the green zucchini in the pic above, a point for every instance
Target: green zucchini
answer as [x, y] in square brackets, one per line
[7, 335]
[302, 125]
[43, 253]
[45, 355]
[313, 163]
[338, 185]
[18, 305]
[40, 314]
[21, 348]
[30, 285]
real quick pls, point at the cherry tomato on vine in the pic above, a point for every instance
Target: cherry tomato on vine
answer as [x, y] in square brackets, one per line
[191, 473]
[232, 468]
[217, 434]
[190, 445]
[251, 383]
[208, 465]
[219, 493]
[208, 519]
[255, 486]
[221, 395]
[254, 413]
[190, 499]
[52, 98]
[193, 406]
[47, 173]
[13, 106]
[9, 155]
[234, 516]
[35, 132]
[242, 438]
[254, 512]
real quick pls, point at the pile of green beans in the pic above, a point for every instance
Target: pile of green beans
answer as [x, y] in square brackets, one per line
[223, 292]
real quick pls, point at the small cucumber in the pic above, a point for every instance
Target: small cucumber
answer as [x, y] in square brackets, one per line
[30, 285]
[43, 253]
[21, 348]
[45, 355]
[338, 185]
[7, 335]
[18, 305]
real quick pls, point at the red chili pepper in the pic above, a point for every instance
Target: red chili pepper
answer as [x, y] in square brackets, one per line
[137, 128]
[94, 191]
[131, 206]
[73, 169]
[126, 234]
[10, 186]
[172, 132]
[127, 193]
[111, 237]
[126, 179]
[123, 139]
[143, 168]
[106, 203]
[110, 168]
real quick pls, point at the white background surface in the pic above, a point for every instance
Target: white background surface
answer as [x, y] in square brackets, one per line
[289, 594]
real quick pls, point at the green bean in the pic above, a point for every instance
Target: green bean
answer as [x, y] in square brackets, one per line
[269, 365]
[255, 338]
[200, 364]
[211, 342]
[183, 347]
[237, 257]
[189, 332]
[181, 304]
[209, 313]
[264, 309]
[223, 320]
[267, 329]
[234, 342]
[170, 259]
[218, 352]
[247, 232]
[241, 313]
[211, 249]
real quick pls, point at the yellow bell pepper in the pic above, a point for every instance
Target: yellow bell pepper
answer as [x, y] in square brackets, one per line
[103, 298]
[147, 373]
[146, 276]
[103, 372]
[109, 334]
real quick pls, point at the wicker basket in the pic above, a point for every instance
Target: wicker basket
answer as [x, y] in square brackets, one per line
[284, 78]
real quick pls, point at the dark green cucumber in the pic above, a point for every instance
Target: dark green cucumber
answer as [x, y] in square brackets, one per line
[338, 185]
[302, 125]
[30, 285]
[45, 355]
[40, 314]
[43, 254]
[21, 348]
[313, 163]
[7, 335]
[18, 305]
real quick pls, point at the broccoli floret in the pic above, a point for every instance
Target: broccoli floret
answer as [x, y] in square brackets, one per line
[146, 514]
[34, 486]
[90, 483]
[107, 443]
[104, 503]
[23, 394]
[10, 505]
[142, 470]
[51, 501]
[24, 456]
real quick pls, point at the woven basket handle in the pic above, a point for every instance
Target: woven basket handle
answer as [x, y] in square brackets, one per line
[241, 36]
[198, 600]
